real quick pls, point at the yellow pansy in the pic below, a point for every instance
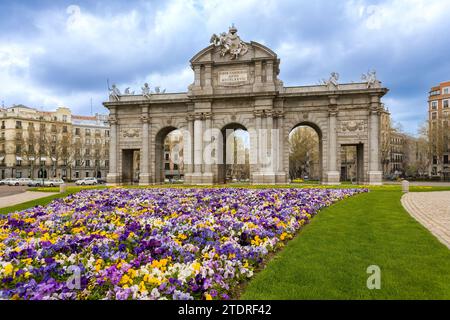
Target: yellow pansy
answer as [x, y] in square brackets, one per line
[8, 269]
[196, 266]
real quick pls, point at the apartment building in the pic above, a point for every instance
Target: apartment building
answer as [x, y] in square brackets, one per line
[43, 144]
[439, 116]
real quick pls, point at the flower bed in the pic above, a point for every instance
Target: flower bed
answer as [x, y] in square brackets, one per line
[150, 243]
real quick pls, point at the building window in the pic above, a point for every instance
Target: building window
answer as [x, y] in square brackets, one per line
[77, 174]
[106, 163]
[64, 129]
[18, 124]
[88, 152]
[87, 174]
[88, 132]
[433, 115]
[434, 159]
[97, 163]
[53, 128]
[18, 148]
[64, 118]
[88, 163]
[18, 174]
[446, 159]
[88, 141]
[77, 131]
[434, 105]
[445, 103]
[445, 90]
[3, 125]
[78, 163]
[106, 133]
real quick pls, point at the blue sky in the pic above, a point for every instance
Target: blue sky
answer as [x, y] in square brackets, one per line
[55, 53]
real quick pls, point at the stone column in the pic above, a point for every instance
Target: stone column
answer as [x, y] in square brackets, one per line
[144, 176]
[197, 80]
[281, 176]
[375, 175]
[112, 177]
[207, 172]
[271, 167]
[188, 149]
[198, 148]
[332, 175]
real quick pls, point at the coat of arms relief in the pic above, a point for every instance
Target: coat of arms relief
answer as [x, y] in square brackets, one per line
[229, 44]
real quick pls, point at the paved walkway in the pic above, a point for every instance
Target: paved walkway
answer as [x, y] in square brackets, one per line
[432, 210]
[22, 197]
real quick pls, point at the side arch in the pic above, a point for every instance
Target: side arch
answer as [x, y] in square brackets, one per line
[320, 126]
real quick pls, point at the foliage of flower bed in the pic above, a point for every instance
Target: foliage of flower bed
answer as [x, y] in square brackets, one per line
[150, 243]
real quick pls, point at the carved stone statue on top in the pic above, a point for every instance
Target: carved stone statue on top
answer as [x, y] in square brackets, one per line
[332, 82]
[114, 92]
[229, 44]
[371, 79]
[128, 92]
[146, 90]
[158, 90]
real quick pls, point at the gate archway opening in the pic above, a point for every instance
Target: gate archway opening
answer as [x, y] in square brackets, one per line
[305, 153]
[169, 166]
[235, 166]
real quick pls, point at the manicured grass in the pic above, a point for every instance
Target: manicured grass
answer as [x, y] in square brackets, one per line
[330, 256]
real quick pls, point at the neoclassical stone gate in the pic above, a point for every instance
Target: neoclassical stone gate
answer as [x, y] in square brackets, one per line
[236, 84]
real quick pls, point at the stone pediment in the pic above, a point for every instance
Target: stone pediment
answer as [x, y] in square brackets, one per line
[230, 65]
[213, 54]
[229, 48]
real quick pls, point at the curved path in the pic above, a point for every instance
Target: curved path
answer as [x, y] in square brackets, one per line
[432, 210]
[12, 200]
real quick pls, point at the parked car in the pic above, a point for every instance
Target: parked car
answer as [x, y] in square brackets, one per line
[5, 181]
[101, 181]
[22, 181]
[13, 182]
[36, 183]
[86, 181]
[53, 182]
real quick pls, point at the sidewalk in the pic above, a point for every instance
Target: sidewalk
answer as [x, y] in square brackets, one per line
[23, 197]
[432, 210]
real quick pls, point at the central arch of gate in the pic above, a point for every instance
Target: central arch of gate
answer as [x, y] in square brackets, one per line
[236, 85]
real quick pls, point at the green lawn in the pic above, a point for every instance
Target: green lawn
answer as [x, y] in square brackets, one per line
[330, 256]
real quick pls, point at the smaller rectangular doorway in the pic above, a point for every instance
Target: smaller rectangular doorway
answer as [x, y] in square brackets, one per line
[130, 166]
[352, 163]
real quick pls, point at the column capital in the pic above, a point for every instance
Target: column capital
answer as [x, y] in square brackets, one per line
[258, 113]
[278, 114]
[112, 119]
[332, 112]
[145, 118]
[332, 100]
[207, 115]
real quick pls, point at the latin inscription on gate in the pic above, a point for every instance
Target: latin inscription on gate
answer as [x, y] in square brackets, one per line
[233, 77]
